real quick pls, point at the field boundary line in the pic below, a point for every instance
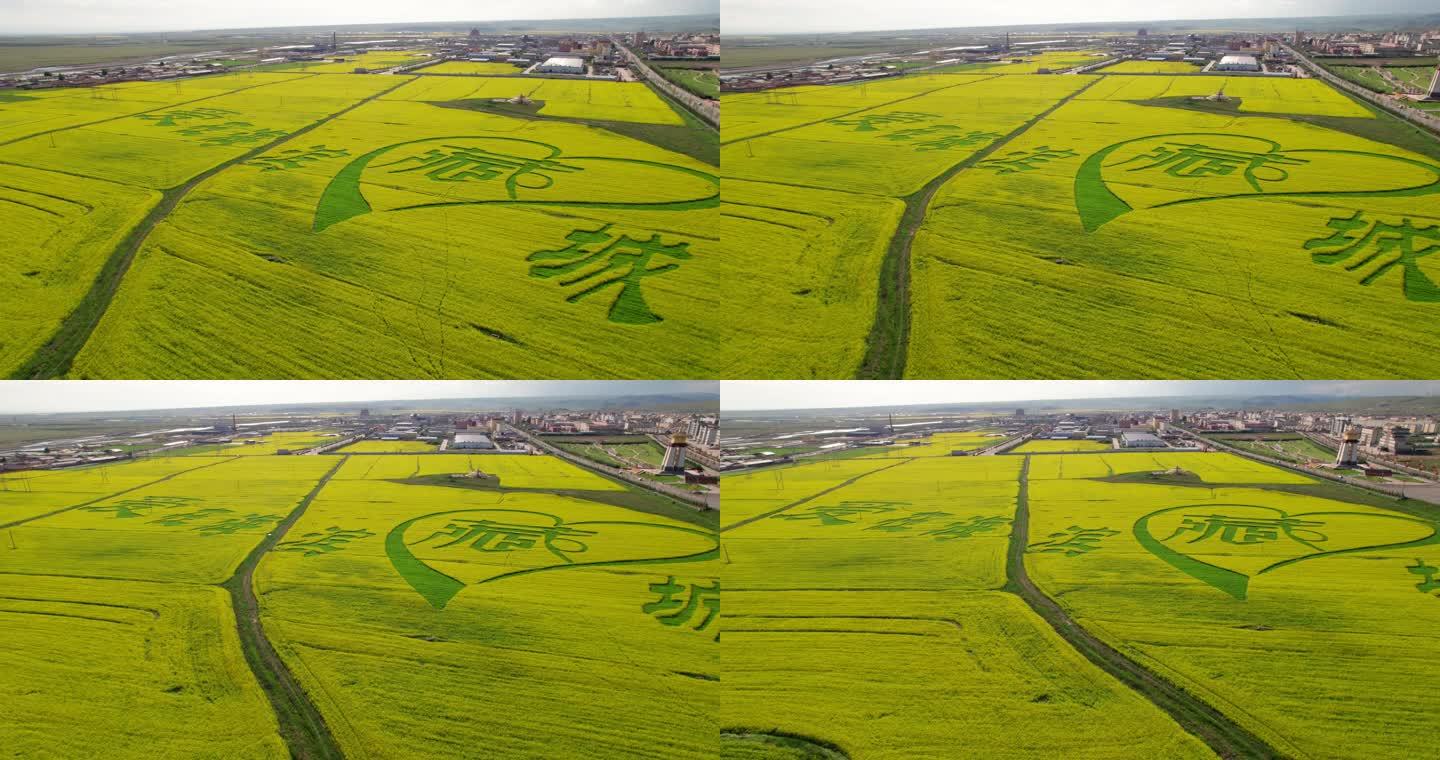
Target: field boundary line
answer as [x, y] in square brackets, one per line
[887, 346]
[858, 110]
[301, 724]
[113, 495]
[55, 357]
[1225, 737]
[811, 497]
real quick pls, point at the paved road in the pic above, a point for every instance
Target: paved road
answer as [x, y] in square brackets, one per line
[709, 110]
[1414, 115]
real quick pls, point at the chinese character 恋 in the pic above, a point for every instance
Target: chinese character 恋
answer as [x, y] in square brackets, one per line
[967, 528]
[707, 596]
[457, 164]
[293, 158]
[896, 524]
[872, 122]
[200, 129]
[1242, 530]
[168, 118]
[241, 138]
[945, 136]
[188, 517]
[134, 507]
[626, 257]
[234, 524]
[1196, 160]
[1026, 160]
[331, 539]
[491, 536]
[832, 515]
[1074, 541]
[1403, 244]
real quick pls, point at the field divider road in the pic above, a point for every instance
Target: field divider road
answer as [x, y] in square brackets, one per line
[1225, 737]
[809, 498]
[113, 495]
[859, 110]
[57, 355]
[888, 344]
[301, 725]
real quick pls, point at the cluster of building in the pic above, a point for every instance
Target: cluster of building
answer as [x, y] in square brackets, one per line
[1393, 44]
[578, 55]
[686, 46]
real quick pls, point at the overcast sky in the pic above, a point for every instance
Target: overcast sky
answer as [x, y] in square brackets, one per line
[793, 16]
[742, 395]
[30, 396]
[92, 16]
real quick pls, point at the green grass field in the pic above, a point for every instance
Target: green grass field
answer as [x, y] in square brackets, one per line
[702, 82]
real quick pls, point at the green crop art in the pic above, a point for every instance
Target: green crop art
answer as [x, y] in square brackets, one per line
[529, 542]
[597, 259]
[439, 172]
[1226, 545]
[1197, 167]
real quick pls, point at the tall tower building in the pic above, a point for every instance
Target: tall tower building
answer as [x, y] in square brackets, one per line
[674, 461]
[1349, 452]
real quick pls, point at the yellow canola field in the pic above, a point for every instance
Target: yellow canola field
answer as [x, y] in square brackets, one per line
[41, 111]
[570, 98]
[1271, 629]
[164, 147]
[1086, 265]
[895, 149]
[851, 600]
[939, 444]
[513, 470]
[415, 601]
[1150, 67]
[194, 527]
[813, 250]
[1047, 446]
[25, 494]
[389, 447]
[755, 113]
[374, 268]
[142, 670]
[471, 67]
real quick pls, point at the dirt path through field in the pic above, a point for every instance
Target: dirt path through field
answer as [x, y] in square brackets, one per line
[301, 724]
[55, 357]
[1225, 737]
[887, 346]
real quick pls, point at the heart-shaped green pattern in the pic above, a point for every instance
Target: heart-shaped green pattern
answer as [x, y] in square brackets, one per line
[539, 540]
[463, 170]
[1194, 167]
[1256, 539]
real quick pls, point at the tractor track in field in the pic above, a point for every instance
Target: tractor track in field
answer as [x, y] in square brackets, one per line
[122, 492]
[809, 498]
[1224, 737]
[887, 346]
[56, 356]
[302, 726]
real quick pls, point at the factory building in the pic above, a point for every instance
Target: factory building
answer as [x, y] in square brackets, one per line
[559, 65]
[472, 441]
[1238, 63]
[1138, 440]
